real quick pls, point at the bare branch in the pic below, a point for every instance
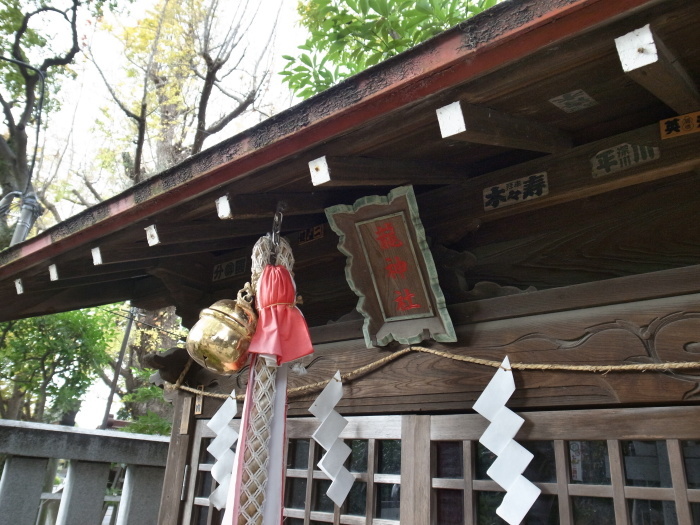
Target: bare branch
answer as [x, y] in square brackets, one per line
[225, 120]
[232, 96]
[49, 206]
[108, 380]
[67, 58]
[91, 188]
[81, 199]
[113, 93]
[30, 78]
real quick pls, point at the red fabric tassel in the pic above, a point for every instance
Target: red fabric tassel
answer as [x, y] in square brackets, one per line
[282, 329]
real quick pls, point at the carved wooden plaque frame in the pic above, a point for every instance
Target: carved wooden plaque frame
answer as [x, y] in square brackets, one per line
[391, 269]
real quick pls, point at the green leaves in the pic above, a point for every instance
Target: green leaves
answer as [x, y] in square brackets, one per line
[348, 36]
[150, 423]
[47, 363]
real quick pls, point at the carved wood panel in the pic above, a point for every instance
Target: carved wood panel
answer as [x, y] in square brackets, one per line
[642, 331]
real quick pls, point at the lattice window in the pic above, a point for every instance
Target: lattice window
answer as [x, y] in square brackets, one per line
[602, 467]
[375, 462]
[640, 481]
[199, 481]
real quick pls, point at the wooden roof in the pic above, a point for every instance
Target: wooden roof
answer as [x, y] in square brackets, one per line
[508, 68]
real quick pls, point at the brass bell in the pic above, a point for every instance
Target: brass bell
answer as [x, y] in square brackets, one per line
[219, 340]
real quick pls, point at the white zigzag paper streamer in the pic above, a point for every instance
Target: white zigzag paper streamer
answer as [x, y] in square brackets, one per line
[220, 448]
[512, 458]
[326, 435]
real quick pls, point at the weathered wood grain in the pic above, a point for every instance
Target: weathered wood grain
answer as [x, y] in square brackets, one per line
[171, 505]
[643, 331]
[483, 125]
[631, 231]
[649, 62]
[415, 474]
[367, 171]
[570, 178]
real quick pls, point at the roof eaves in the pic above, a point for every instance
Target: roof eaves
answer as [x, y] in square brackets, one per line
[480, 45]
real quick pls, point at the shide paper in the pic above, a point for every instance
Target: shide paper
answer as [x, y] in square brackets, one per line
[327, 435]
[220, 448]
[512, 458]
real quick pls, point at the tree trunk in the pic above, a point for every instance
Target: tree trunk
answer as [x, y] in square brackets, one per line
[14, 404]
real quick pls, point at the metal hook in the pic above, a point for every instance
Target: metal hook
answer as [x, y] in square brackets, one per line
[277, 228]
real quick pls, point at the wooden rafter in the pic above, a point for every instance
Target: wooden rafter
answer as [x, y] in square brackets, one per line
[76, 269]
[364, 171]
[263, 206]
[119, 254]
[41, 285]
[196, 232]
[433, 69]
[570, 177]
[648, 61]
[481, 125]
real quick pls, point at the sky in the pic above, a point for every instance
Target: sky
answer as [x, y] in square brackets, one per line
[92, 410]
[72, 139]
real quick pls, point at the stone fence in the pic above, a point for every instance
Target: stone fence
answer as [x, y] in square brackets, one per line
[92, 492]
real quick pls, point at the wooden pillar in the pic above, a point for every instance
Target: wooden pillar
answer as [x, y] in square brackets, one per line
[84, 493]
[140, 495]
[20, 489]
[415, 470]
[174, 484]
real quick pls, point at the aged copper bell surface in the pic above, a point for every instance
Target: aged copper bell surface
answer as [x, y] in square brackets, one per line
[219, 340]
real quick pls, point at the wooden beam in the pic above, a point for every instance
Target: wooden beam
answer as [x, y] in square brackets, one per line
[365, 171]
[642, 287]
[263, 205]
[118, 254]
[481, 125]
[87, 280]
[76, 269]
[434, 68]
[198, 231]
[646, 59]
[33, 303]
[171, 506]
[573, 175]
[416, 473]
[623, 332]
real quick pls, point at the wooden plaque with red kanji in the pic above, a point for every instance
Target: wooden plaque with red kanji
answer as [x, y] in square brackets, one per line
[391, 269]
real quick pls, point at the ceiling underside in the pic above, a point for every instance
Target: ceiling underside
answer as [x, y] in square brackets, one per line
[380, 130]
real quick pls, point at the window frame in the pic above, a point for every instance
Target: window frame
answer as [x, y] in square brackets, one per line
[417, 479]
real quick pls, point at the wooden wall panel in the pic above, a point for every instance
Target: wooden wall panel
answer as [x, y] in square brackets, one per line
[646, 330]
[645, 228]
[659, 330]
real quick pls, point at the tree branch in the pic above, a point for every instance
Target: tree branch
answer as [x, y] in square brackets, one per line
[49, 206]
[113, 93]
[108, 380]
[91, 188]
[224, 121]
[7, 110]
[81, 199]
[5, 152]
[68, 57]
